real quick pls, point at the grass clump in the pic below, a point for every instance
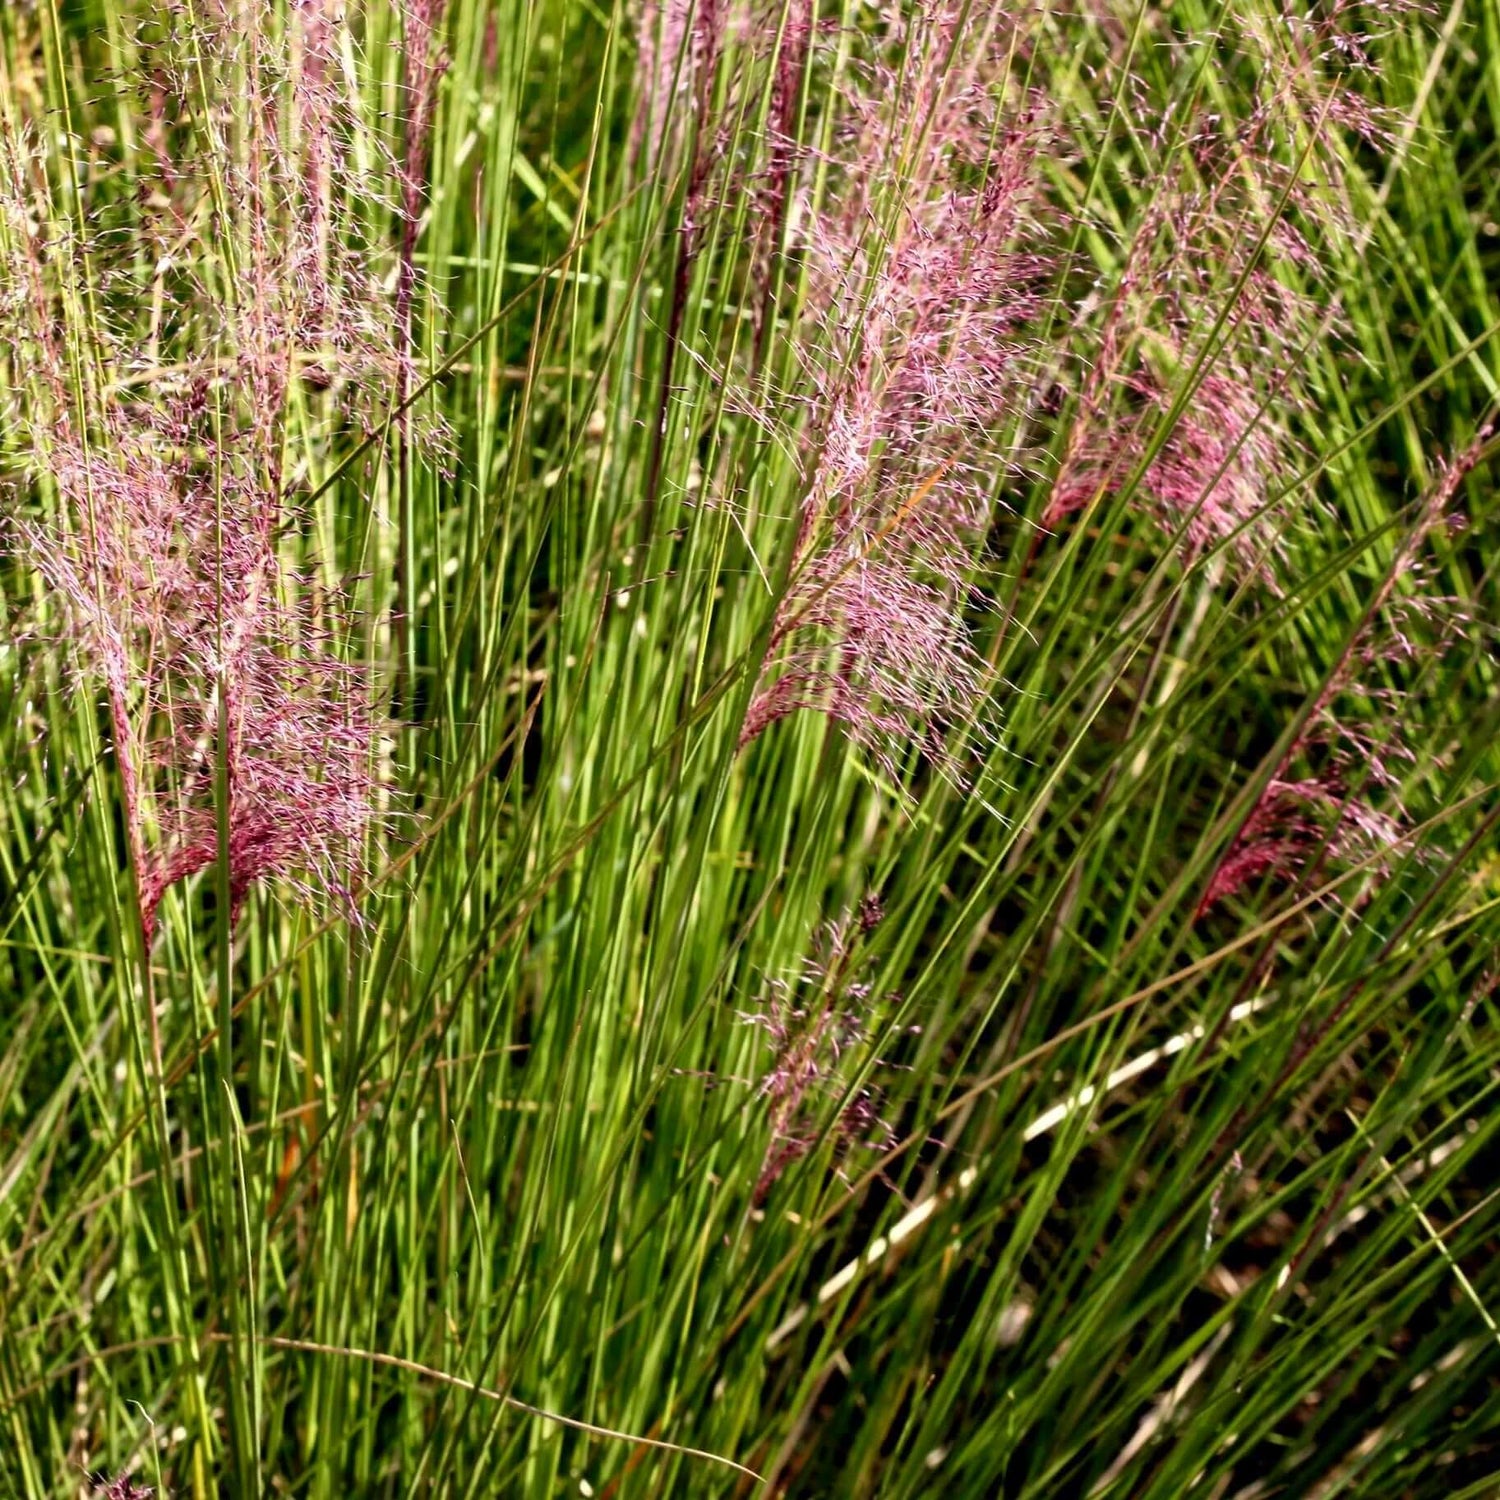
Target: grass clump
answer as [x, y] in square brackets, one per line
[753, 749]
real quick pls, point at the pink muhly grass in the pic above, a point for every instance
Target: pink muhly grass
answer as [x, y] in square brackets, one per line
[177, 596]
[678, 43]
[121, 1487]
[425, 62]
[811, 1026]
[165, 547]
[665, 68]
[1236, 231]
[1330, 812]
[677, 135]
[1209, 478]
[1204, 466]
[928, 359]
[792, 47]
[1294, 821]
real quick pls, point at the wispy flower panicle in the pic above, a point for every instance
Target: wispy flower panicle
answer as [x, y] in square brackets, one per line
[224, 677]
[927, 294]
[425, 63]
[943, 334]
[1198, 374]
[665, 69]
[1210, 474]
[122, 1487]
[812, 1024]
[792, 29]
[1345, 808]
[1322, 817]
[677, 46]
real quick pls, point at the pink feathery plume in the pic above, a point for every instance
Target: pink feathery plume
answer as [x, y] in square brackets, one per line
[425, 63]
[1329, 812]
[931, 350]
[677, 44]
[122, 1487]
[811, 1026]
[165, 545]
[1231, 233]
[1210, 477]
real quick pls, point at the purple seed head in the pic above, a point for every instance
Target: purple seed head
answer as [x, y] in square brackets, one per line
[220, 662]
[926, 311]
[122, 1487]
[811, 1026]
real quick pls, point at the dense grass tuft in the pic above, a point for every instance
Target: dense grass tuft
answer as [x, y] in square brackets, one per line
[753, 749]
